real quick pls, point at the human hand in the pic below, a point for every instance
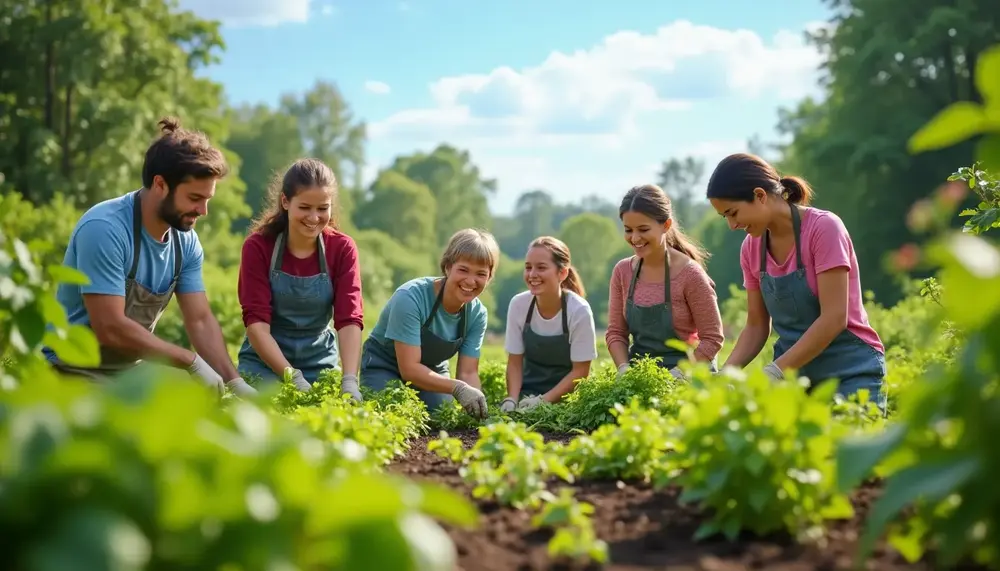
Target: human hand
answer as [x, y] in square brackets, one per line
[774, 371]
[472, 399]
[528, 403]
[240, 387]
[349, 385]
[299, 381]
[206, 374]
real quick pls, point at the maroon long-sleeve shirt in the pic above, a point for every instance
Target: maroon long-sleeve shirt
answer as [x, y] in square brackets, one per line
[341, 258]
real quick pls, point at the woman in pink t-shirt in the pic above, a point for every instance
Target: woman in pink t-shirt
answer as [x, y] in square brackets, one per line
[662, 292]
[801, 274]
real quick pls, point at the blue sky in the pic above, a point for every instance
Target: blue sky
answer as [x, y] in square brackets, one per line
[577, 97]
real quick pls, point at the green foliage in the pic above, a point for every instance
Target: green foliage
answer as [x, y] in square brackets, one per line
[986, 214]
[152, 474]
[30, 315]
[965, 119]
[758, 454]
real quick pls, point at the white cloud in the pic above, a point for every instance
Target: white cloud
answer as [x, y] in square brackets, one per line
[601, 91]
[252, 12]
[377, 87]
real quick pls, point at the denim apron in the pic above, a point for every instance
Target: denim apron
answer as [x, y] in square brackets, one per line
[793, 308]
[651, 327]
[141, 305]
[547, 358]
[301, 310]
[379, 365]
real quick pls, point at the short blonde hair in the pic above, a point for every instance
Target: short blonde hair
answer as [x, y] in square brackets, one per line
[472, 245]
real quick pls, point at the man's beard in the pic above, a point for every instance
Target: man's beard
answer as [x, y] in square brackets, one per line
[168, 213]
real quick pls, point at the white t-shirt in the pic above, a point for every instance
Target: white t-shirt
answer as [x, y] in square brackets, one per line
[582, 338]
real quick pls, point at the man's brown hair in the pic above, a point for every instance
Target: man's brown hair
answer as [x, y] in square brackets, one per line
[180, 155]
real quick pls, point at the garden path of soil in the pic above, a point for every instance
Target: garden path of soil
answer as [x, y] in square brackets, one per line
[644, 529]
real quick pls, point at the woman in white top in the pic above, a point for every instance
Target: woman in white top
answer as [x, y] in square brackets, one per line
[550, 339]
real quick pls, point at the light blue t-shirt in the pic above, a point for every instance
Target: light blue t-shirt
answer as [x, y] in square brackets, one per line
[408, 308]
[101, 248]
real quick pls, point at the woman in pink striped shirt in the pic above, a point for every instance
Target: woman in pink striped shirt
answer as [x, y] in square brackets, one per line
[662, 292]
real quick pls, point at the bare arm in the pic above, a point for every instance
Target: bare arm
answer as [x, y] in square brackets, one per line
[349, 344]
[515, 375]
[259, 335]
[832, 286]
[568, 383]
[205, 334]
[617, 333]
[755, 331]
[115, 330]
[468, 371]
[413, 371]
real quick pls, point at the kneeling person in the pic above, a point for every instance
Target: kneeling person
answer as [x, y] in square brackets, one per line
[550, 338]
[430, 319]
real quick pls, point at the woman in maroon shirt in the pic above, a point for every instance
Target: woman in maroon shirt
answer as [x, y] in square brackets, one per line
[297, 273]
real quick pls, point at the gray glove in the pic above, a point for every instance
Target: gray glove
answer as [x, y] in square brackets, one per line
[774, 371]
[240, 387]
[349, 385]
[528, 403]
[508, 405]
[472, 399]
[206, 374]
[677, 374]
[299, 381]
[621, 369]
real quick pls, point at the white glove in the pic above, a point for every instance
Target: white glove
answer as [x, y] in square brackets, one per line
[508, 405]
[528, 403]
[299, 380]
[349, 385]
[206, 374]
[677, 374]
[774, 371]
[472, 399]
[621, 369]
[240, 387]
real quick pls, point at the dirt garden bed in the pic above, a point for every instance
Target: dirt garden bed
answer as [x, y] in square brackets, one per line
[644, 529]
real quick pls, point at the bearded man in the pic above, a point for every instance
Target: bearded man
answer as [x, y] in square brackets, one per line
[139, 250]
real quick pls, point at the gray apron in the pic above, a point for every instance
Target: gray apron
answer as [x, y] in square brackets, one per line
[141, 305]
[301, 310]
[547, 358]
[379, 365]
[794, 308]
[651, 327]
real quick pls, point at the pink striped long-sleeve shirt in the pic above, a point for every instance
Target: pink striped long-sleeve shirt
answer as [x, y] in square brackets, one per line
[693, 300]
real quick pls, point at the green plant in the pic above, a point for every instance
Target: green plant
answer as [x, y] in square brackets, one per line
[759, 455]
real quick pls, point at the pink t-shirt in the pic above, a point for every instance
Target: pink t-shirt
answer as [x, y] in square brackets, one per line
[825, 245]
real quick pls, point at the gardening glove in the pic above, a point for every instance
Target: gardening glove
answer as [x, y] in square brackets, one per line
[508, 405]
[528, 403]
[298, 380]
[240, 387]
[472, 399]
[349, 385]
[206, 374]
[773, 371]
[621, 369]
[677, 374]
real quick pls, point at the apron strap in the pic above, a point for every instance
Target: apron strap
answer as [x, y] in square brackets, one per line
[797, 231]
[278, 253]
[137, 241]
[437, 304]
[565, 319]
[137, 235]
[666, 280]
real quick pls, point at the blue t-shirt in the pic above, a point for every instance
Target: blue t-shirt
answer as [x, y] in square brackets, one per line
[101, 248]
[405, 312]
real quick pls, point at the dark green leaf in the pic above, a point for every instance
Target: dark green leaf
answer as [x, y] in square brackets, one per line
[92, 540]
[30, 325]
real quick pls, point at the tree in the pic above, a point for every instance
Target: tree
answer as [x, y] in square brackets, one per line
[679, 178]
[267, 142]
[403, 209]
[458, 187]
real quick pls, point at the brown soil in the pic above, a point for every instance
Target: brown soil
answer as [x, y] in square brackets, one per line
[644, 529]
